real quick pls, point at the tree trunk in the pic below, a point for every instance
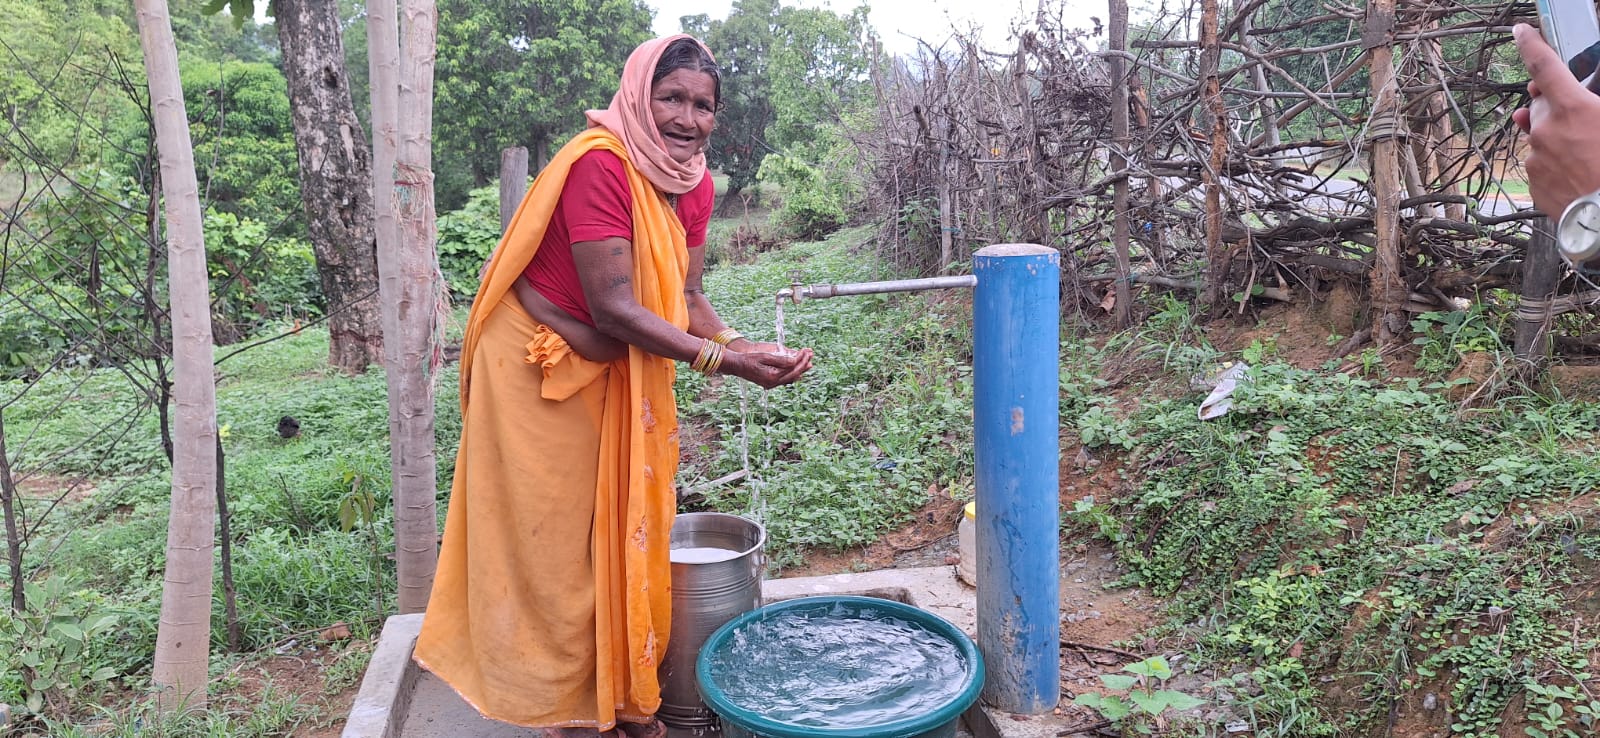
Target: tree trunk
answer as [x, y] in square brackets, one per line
[1121, 141]
[1153, 187]
[230, 594]
[1436, 147]
[335, 178]
[1216, 116]
[410, 291]
[946, 227]
[541, 152]
[1034, 217]
[8, 505]
[513, 182]
[1541, 272]
[1388, 284]
[183, 638]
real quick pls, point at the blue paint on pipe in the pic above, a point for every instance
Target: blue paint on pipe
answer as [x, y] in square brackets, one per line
[1016, 409]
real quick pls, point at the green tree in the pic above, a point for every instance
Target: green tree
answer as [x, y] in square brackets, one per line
[820, 71]
[786, 72]
[743, 46]
[335, 167]
[216, 37]
[56, 66]
[244, 141]
[62, 61]
[521, 73]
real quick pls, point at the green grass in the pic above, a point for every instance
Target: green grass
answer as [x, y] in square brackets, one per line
[1515, 187]
[295, 566]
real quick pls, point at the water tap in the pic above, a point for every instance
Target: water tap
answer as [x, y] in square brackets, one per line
[796, 291]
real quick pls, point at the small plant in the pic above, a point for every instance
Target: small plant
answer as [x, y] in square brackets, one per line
[1444, 337]
[1087, 512]
[1549, 720]
[466, 237]
[1146, 702]
[1097, 427]
[47, 644]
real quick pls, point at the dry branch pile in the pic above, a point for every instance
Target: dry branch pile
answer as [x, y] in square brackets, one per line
[1269, 148]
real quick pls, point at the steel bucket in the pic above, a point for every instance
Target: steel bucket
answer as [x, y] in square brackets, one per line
[704, 597]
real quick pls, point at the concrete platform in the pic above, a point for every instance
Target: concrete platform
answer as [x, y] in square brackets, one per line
[398, 700]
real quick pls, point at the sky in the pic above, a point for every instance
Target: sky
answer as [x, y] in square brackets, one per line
[900, 22]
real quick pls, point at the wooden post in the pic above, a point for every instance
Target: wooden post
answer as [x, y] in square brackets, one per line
[946, 221]
[1541, 272]
[1388, 285]
[513, 182]
[1154, 189]
[1120, 142]
[1211, 175]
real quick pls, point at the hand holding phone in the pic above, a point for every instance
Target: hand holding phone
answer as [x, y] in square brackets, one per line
[1563, 127]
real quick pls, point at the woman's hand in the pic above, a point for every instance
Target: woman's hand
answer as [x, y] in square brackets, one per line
[768, 369]
[588, 342]
[747, 346]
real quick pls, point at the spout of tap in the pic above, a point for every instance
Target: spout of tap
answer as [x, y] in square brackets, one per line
[789, 294]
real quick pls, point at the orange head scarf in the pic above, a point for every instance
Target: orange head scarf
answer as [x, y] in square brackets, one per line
[629, 117]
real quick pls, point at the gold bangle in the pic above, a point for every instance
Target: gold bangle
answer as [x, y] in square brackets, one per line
[712, 358]
[727, 336]
[703, 358]
[716, 360]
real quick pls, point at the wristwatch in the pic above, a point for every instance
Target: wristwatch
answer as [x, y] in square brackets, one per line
[1578, 231]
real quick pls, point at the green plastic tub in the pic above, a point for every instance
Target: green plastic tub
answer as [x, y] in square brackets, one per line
[839, 667]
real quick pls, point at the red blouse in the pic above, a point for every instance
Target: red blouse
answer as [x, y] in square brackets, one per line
[595, 205]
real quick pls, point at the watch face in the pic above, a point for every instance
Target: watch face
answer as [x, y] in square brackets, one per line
[1578, 235]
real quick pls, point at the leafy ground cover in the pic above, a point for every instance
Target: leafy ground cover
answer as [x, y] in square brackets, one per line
[1348, 552]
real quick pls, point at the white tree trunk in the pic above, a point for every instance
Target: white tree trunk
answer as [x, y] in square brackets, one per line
[183, 639]
[408, 277]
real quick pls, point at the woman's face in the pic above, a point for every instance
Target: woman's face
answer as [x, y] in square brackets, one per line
[684, 105]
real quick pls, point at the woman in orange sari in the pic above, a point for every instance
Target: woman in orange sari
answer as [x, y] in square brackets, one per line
[551, 606]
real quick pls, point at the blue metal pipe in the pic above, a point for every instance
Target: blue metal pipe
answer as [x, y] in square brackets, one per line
[1016, 318]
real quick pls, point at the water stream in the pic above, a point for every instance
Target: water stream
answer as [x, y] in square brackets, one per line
[780, 321]
[753, 479]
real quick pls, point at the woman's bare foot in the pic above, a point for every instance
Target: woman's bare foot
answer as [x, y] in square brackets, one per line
[652, 729]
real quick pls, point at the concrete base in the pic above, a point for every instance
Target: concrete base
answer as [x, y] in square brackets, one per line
[397, 700]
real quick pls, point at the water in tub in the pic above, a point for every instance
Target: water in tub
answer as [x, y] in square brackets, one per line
[838, 672]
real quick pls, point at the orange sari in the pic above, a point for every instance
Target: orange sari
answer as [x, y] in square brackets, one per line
[551, 606]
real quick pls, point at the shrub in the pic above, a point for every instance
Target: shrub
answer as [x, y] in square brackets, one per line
[256, 275]
[811, 210]
[466, 238]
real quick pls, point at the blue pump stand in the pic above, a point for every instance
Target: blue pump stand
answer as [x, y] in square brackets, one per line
[1016, 319]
